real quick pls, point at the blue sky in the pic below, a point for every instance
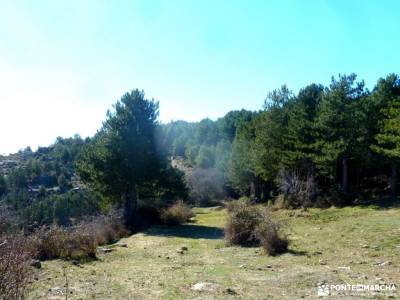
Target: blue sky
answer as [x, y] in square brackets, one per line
[64, 63]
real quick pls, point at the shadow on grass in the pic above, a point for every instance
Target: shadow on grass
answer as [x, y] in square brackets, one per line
[383, 203]
[297, 252]
[186, 231]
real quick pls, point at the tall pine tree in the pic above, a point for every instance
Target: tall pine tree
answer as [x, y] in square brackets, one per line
[387, 95]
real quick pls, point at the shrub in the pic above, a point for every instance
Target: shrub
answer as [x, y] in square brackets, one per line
[106, 229]
[298, 190]
[49, 242]
[15, 270]
[268, 234]
[241, 225]
[177, 214]
[250, 225]
[80, 242]
[77, 241]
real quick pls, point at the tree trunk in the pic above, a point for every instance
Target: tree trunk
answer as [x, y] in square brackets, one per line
[265, 191]
[345, 171]
[130, 205]
[393, 182]
[255, 190]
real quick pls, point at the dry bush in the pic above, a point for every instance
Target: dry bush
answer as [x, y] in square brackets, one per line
[105, 229]
[298, 190]
[177, 214]
[232, 204]
[49, 242]
[241, 225]
[77, 241]
[250, 225]
[268, 234]
[15, 270]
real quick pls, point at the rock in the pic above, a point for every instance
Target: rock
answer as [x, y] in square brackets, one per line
[184, 248]
[322, 262]
[75, 262]
[204, 286]
[36, 263]
[268, 266]
[181, 252]
[123, 245]
[242, 266]
[57, 290]
[230, 291]
[385, 263]
[364, 246]
[105, 250]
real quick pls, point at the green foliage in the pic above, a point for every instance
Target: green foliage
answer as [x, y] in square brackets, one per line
[3, 186]
[205, 158]
[270, 132]
[301, 132]
[340, 122]
[123, 153]
[387, 95]
[62, 208]
[241, 171]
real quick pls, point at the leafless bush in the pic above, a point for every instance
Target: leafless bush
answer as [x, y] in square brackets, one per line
[177, 214]
[49, 242]
[205, 186]
[250, 225]
[15, 270]
[270, 239]
[77, 241]
[81, 240]
[105, 229]
[298, 190]
[241, 224]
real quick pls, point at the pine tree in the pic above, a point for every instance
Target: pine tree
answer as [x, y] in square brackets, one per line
[123, 154]
[301, 134]
[387, 94]
[339, 126]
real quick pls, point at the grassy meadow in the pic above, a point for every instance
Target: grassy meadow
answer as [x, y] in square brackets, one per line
[352, 245]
